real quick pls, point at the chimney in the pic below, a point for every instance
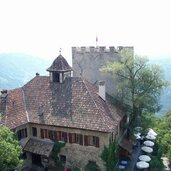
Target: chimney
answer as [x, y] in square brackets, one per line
[3, 96]
[4, 93]
[102, 90]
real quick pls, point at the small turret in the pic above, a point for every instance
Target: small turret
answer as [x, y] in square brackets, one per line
[59, 70]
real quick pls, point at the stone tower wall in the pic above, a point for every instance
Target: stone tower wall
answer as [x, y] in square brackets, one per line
[87, 61]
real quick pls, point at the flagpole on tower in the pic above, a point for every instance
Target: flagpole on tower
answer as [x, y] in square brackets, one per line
[96, 41]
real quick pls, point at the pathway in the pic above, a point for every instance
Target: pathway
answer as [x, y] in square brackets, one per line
[134, 157]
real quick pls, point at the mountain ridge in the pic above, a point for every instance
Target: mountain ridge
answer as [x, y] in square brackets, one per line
[16, 69]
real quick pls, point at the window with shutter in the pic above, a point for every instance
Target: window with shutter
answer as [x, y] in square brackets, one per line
[59, 138]
[70, 138]
[50, 134]
[74, 138]
[22, 133]
[19, 135]
[81, 139]
[91, 141]
[46, 133]
[55, 136]
[85, 140]
[64, 137]
[25, 132]
[97, 142]
[42, 134]
[34, 131]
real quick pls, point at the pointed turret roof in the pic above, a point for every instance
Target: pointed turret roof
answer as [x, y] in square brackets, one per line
[59, 65]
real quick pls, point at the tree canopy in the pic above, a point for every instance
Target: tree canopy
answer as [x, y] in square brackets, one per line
[110, 156]
[10, 150]
[163, 128]
[140, 84]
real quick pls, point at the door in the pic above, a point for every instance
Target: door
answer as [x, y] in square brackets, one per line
[36, 159]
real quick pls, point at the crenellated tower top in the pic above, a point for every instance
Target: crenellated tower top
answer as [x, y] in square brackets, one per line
[102, 49]
[87, 61]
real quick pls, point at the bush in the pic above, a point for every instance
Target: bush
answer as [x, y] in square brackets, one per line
[91, 166]
[110, 156]
[56, 149]
[77, 169]
[156, 164]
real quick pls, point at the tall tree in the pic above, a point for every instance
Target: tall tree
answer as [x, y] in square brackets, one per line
[110, 156]
[10, 150]
[140, 84]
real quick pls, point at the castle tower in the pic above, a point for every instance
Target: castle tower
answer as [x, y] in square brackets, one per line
[59, 70]
[87, 61]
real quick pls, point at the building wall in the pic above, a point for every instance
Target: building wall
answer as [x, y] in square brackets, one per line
[87, 61]
[76, 155]
[80, 155]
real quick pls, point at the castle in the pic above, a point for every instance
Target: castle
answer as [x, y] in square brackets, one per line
[87, 62]
[68, 109]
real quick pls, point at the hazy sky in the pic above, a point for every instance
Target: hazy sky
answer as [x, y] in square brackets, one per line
[41, 27]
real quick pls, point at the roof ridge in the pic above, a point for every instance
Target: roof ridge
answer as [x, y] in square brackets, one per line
[24, 101]
[92, 98]
[36, 76]
[99, 109]
[89, 93]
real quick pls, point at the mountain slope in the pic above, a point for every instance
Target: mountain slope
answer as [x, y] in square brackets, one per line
[165, 63]
[17, 69]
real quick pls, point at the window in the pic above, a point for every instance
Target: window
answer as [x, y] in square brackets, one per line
[91, 141]
[44, 133]
[67, 74]
[64, 136]
[58, 135]
[75, 138]
[34, 131]
[24, 155]
[22, 133]
[56, 77]
[63, 159]
[52, 135]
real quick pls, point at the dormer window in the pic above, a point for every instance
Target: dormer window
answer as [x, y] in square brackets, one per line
[67, 74]
[59, 70]
[56, 77]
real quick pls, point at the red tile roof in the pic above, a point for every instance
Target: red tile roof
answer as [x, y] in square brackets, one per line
[74, 103]
[15, 113]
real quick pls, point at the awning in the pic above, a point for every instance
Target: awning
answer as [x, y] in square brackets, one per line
[41, 147]
[126, 144]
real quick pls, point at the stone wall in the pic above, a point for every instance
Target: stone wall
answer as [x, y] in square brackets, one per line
[87, 61]
[78, 155]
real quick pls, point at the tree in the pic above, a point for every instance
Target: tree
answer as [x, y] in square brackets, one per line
[10, 150]
[110, 156]
[91, 166]
[163, 129]
[140, 84]
[56, 150]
